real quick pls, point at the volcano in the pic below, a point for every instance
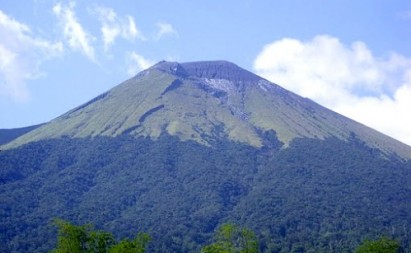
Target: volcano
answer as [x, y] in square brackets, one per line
[181, 148]
[192, 100]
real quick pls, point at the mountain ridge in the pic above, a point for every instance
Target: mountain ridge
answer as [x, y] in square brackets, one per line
[9, 134]
[191, 100]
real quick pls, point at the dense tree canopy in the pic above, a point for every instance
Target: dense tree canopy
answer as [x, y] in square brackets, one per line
[82, 239]
[229, 238]
[382, 245]
[313, 196]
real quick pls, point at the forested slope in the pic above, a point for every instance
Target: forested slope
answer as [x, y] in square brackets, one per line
[313, 196]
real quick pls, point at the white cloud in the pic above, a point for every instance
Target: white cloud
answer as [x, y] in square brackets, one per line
[113, 26]
[78, 39]
[346, 78]
[131, 30]
[165, 29]
[21, 55]
[137, 63]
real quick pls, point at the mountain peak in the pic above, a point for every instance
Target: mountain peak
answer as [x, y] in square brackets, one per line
[174, 68]
[202, 101]
[208, 70]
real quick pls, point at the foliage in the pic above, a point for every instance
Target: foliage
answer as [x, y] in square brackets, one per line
[382, 245]
[81, 239]
[313, 196]
[72, 239]
[231, 239]
[138, 245]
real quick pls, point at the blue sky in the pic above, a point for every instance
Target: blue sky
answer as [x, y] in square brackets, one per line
[351, 56]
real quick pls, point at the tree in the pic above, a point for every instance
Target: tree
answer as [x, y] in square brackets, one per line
[100, 241]
[232, 239]
[138, 245]
[382, 245]
[71, 238]
[82, 239]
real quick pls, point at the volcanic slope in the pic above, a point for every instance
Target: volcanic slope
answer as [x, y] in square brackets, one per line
[180, 149]
[193, 100]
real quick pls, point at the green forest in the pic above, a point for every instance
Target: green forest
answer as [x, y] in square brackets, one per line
[228, 238]
[313, 196]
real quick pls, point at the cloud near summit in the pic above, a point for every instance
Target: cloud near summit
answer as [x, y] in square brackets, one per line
[165, 29]
[113, 26]
[77, 37]
[348, 79]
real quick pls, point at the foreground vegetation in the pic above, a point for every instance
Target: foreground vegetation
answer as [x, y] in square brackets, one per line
[315, 196]
[82, 239]
[229, 238]
[382, 245]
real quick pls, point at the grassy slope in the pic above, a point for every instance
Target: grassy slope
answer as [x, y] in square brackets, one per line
[8, 135]
[155, 102]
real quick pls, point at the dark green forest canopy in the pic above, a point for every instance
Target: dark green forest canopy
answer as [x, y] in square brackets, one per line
[382, 245]
[228, 238]
[313, 196]
[234, 239]
[85, 239]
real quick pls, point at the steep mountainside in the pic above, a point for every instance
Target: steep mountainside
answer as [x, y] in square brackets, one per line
[192, 100]
[182, 148]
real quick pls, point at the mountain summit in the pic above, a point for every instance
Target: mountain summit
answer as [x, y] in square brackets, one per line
[202, 101]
